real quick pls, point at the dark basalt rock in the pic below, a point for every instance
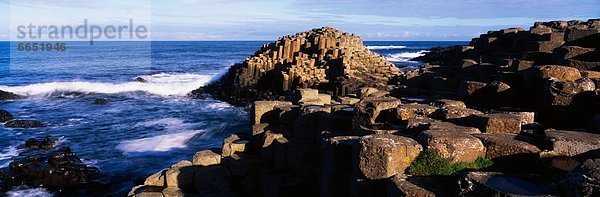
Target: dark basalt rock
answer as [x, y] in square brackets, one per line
[59, 170]
[5, 116]
[45, 143]
[335, 62]
[24, 124]
[9, 96]
[101, 101]
[141, 80]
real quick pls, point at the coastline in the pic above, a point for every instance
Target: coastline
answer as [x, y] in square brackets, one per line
[370, 141]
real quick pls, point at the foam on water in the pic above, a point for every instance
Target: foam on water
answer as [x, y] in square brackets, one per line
[218, 106]
[385, 47]
[7, 154]
[159, 143]
[162, 84]
[405, 56]
[35, 192]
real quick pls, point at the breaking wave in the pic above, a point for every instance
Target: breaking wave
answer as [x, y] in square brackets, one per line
[405, 56]
[385, 47]
[162, 84]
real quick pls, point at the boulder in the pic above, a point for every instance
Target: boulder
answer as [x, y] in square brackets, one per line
[499, 123]
[45, 143]
[157, 179]
[412, 110]
[526, 117]
[567, 52]
[232, 145]
[101, 101]
[382, 155]
[471, 89]
[499, 184]
[24, 124]
[5, 116]
[465, 63]
[520, 65]
[447, 103]
[450, 113]
[180, 175]
[365, 92]
[453, 146]
[562, 93]
[419, 124]
[263, 111]
[560, 73]
[59, 169]
[311, 122]
[206, 158]
[503, 145]
[213, 179]
[348, 100]
[571, 143]
[369, 109]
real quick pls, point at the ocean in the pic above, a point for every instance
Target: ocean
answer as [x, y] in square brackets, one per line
[145, 127]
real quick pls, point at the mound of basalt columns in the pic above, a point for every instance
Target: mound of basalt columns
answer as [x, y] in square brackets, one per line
[327, 59]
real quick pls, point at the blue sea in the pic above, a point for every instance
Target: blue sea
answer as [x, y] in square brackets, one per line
[145, 127]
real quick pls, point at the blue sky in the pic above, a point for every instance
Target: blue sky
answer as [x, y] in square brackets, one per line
[268, 19]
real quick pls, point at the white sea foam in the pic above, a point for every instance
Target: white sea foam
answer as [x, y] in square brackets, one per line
[159, 143]
[7, 154]
[405, 56]
[168, 122]
[218, 106]
[163, 84]
[385, 47]
[35, 192]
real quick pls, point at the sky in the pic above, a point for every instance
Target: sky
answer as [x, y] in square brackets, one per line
[405, 20]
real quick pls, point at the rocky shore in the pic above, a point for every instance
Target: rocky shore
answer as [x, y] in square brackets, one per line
[515, 113]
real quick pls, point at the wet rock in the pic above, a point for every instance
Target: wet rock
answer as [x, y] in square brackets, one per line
[24, 124]
[101, 101]
[9, 96]
[206, 158]
[571, 143]
[453, 146]
[141, 80]
[5, 116]
[499, 184]
[382, 156]
[45, 143]
[61, 169]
